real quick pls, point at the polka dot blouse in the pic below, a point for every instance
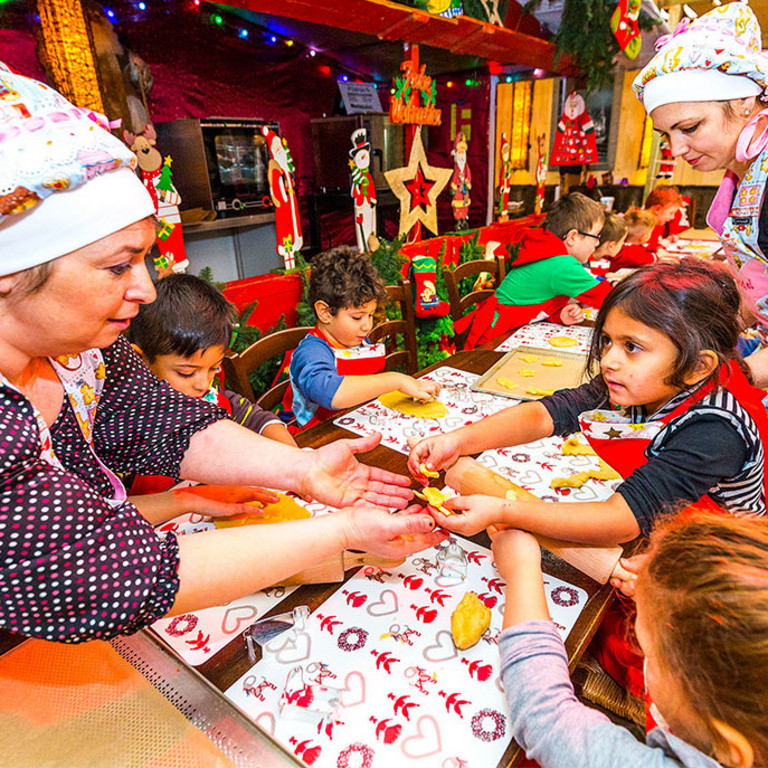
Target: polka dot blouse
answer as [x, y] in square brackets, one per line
[72, 568]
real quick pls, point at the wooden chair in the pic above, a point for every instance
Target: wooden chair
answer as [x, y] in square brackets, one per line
[406, 327]
[453, 277]
[238, 367]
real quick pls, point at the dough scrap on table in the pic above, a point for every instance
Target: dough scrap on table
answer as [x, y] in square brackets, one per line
[552, 362]
[538, 391]
[574, 447]
[605, 472]
[469, 621]
[286, 508]
[528, 358]
[528, 372]
[406, 405]
[426, 471]
[563, 341]
[506, 383]
[435, 498]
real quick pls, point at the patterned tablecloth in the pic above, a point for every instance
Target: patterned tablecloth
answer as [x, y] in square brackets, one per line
[382, 644]
[539, 334]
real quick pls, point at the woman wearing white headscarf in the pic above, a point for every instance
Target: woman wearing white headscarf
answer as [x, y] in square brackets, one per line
[77, 560]
[705, 90]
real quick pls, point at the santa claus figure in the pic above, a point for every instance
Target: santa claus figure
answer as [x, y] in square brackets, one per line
[282, 189]
[461, 183]
[575, 142]
[363, 189]
[505, 179]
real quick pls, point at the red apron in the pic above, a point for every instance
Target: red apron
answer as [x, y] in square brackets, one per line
[623, 446]
[365, 360]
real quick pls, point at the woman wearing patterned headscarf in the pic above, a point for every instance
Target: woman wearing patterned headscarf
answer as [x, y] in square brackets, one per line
[77, 559]
[705, 91]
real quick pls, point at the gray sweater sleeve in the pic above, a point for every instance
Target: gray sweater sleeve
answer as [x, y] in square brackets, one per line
[550, 723]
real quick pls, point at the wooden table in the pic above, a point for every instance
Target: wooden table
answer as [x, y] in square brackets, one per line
[225, 667]
[232, 661]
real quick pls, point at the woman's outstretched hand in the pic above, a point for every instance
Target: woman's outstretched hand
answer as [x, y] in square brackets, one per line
[334, 476]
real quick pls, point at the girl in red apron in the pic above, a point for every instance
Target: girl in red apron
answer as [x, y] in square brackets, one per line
[670, 409]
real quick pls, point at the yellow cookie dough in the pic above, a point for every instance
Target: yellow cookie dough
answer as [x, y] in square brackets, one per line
[406, 405]
[552, 362]
[427, 472]
[605, 472]
[506, 383]
[287, 508]
[510, 496]
[563, 341]
[526, 372]
[538, 391]
[469, 621]
[435, 498]
[528, 358]
[574, 447]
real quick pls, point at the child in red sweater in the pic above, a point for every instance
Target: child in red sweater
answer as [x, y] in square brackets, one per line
[612, 237]
[664, 202]
[547, 274]
[635, 253]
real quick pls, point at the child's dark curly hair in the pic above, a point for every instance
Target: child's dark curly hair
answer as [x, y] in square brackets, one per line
[343, 277]
[693, 303]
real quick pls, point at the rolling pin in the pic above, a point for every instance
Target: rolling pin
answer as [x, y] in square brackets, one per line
[467, 476]
[332, 569]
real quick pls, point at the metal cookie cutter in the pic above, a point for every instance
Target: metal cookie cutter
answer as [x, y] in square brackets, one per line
[263, 630]
[311, 702]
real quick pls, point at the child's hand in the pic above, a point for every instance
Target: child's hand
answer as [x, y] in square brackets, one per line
[436, 453]
[222, 500]
[420, 389]
[514, 549]
[624, 576]
[571, 314]
[472, 514]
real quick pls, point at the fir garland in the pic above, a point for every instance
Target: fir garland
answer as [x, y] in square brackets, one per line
[585, 35]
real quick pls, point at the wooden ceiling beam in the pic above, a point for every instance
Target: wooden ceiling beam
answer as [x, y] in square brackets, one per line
[392, 21]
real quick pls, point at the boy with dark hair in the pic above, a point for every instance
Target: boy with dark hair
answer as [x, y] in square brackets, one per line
[612, 238]
[547, 276]
[182, 337]
[335, 366]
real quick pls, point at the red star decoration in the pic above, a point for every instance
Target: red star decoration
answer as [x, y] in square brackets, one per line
[419, 187]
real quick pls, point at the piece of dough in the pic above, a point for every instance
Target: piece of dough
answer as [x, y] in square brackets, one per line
[506, 383]
[538, 391]
[426, 471]
[563, 341]
[286, 508]
[527, 372]
[470, 621]
[406, 405]
[574, 447]
[605, 472]
[435, 498]
[528, 358]
[510, 496]
[552, 362]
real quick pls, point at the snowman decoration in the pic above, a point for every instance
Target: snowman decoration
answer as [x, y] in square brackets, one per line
[363, 190]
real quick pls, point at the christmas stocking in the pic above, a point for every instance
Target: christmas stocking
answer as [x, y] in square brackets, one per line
[624, 27]
[427, 304]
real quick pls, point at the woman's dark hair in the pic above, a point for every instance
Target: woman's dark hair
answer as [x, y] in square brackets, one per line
[693, 303]
[343, 277]
[187, 316]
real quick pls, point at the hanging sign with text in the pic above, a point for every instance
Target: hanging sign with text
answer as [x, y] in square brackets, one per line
[415, 94]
